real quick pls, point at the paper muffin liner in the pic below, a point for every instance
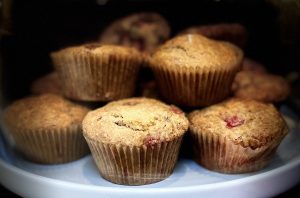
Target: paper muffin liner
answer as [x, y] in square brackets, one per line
[96, 78]
[133, 165]
[51, 146]
[193, 87]
[222, 155]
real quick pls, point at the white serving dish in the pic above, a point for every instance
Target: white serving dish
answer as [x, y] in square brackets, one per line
[81, 178]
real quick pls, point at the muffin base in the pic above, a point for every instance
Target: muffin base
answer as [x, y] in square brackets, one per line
[222, 155]
[133, 165]
[192, 87]
[51, 146]
[94, 78]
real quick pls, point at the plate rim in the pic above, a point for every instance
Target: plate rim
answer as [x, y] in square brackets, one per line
[4, 165]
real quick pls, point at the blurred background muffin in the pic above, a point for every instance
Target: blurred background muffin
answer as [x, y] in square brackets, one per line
[264, 87]
[48, 83]
[144, 31]
[252, 65]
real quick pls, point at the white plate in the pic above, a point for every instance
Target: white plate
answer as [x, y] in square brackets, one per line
[81, 178]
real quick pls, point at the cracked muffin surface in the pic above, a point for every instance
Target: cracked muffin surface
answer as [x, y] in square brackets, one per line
[244, 122]
[46, 111]
[194, 50]
[135, 122]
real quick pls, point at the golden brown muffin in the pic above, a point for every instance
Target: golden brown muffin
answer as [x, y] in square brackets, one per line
[47, 128]
[192, 70]
[94, 72]
[135, 141]
[49, 83]
[263, 87]
[237, 135]
[145, 31]
[231, 32]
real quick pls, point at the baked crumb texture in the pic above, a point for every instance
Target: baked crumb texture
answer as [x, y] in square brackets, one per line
[192, 70]
[135, 141]
[47, 128]
[95, 72]
[237, 135]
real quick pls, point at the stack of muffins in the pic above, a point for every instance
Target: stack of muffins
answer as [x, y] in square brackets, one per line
[136, 140]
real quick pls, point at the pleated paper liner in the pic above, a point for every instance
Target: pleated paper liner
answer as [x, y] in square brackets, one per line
[222, 155]
[192, 87]
[133, 165]
[97, 78]
[51, 146]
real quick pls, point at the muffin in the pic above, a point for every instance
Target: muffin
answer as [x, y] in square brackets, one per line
[251, 65]
[47, 128]
[231, 32]
[264, 87]
[49, 83]
[144, 31]
[94, 72]
[237, 135]
[192, 70]
[135, 141]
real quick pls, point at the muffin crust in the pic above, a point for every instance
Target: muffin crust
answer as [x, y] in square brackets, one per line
[197, 51]
[47, 111]
[135, 122]
[95, 49]
[245, 122]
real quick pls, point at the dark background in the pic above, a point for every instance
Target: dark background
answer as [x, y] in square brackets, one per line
[37, 28]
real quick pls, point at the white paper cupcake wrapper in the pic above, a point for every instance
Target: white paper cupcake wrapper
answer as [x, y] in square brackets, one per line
[51, 146]
[97, 78]
[135, 165]
[222, 155]
[194, 86]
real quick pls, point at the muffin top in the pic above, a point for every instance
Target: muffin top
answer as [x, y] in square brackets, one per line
[50, 83]
[47, 111]
[248, 123]
[231, 32]
[197, 51]
[135, 122]
[143, 31]
[263, 87]
[97, 49]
